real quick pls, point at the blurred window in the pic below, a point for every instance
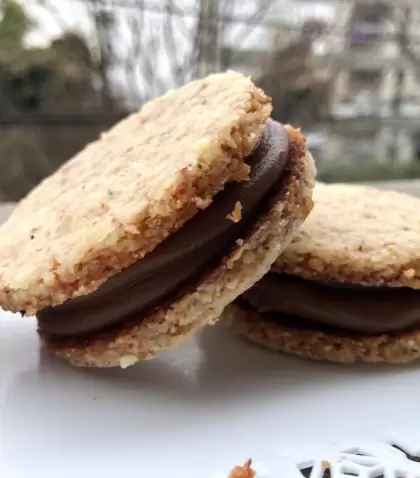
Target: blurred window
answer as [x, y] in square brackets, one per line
[361, 81]
[366, 24]
[374, 13]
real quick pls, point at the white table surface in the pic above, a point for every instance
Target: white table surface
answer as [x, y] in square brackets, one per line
[189, 413]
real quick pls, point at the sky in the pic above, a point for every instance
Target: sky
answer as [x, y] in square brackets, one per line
[300, 10]
[71, 15]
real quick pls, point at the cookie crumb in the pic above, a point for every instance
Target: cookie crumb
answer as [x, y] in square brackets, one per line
[202, 203]
[243, 471]
[236, 214]
[128, 361]
[230, 262]
[316, 264]
[409, 273]
[132, 229]
[242, 173]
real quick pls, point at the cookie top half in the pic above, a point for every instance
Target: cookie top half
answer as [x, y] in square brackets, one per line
[357, 235]
[126, 192]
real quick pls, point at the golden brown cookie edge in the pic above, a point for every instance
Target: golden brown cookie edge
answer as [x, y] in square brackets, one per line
[312, 265]
[324, 346]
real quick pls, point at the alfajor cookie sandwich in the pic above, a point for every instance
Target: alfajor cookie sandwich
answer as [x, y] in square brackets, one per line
[148, 233]
[347, 288]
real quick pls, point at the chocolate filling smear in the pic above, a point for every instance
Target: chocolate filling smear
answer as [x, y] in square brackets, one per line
[369, 310]
[184, 256]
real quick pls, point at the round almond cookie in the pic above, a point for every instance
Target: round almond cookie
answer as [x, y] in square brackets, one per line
[148, 233]
[347, 287]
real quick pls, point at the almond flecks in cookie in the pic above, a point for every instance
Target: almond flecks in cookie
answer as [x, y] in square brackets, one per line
[236, 214]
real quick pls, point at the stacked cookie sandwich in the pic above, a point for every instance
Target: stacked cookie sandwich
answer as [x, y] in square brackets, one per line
[148, 233]
[347, 287]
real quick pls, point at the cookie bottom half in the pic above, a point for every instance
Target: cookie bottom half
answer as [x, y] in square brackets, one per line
[323, 343]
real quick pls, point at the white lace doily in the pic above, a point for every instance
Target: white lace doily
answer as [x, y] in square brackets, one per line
[396, 455]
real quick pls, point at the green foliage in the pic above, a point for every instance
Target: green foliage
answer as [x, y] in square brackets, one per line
[13, 25]
[60, 79]
[25, 78]
[23, 73]
[32, 78]
[370, 171]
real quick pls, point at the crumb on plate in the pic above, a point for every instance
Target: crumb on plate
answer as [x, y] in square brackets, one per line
[243, 471]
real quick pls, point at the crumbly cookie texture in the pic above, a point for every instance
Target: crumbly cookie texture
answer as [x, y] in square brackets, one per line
[123, 194]
[359, 235]
[247, 263]
[245, 471]
[320, 345]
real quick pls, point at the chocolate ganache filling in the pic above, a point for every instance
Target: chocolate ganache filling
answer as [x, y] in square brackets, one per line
[184, 256]
[363, 309]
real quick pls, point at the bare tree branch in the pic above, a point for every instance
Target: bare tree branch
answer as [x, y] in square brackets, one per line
[179, 66]
[406, 44]
[207, 38]
[104, 23]
[151, 79]
[136, 23]
[253, 20]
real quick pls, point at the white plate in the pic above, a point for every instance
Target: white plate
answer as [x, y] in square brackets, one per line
[188, 414]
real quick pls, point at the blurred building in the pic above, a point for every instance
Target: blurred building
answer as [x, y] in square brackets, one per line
[376, 99]
[372, 53]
